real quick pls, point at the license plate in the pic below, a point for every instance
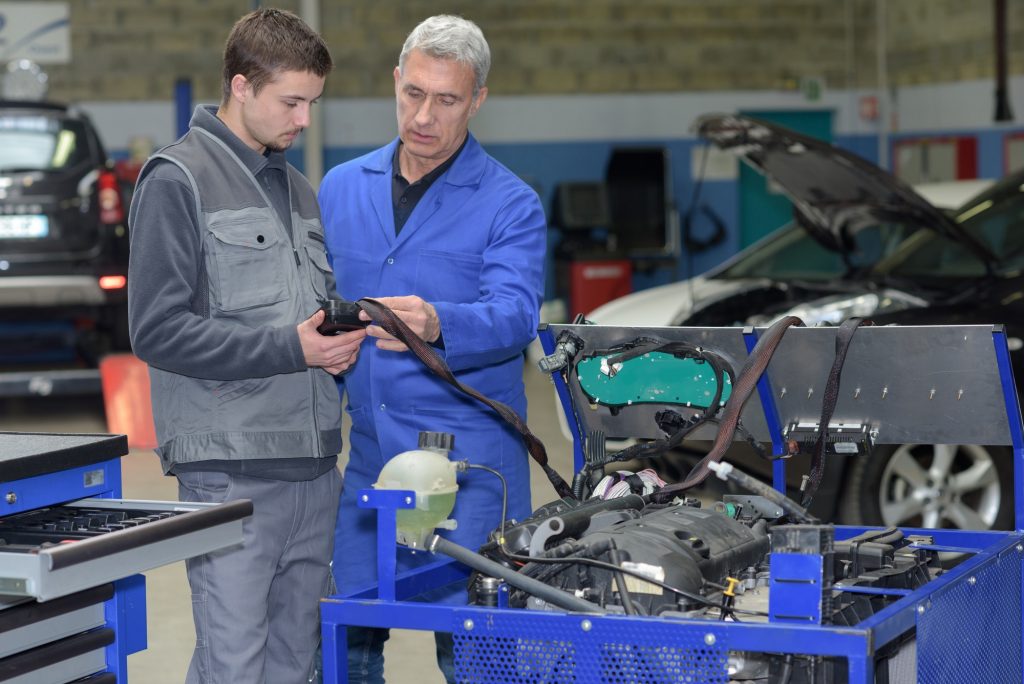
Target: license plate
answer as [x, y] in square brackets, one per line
[24, 226]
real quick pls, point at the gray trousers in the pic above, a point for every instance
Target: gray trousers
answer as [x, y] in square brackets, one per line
[256, 606]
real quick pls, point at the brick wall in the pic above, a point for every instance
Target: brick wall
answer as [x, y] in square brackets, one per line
[137, 49]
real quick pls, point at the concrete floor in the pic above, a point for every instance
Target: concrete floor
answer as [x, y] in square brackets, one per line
[409, 654]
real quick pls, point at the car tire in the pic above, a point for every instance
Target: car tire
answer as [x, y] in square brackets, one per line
[926, 485]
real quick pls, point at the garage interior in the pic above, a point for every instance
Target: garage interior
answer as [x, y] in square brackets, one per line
[643, 126]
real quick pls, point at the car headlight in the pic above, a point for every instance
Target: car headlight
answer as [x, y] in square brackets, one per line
[835, 310]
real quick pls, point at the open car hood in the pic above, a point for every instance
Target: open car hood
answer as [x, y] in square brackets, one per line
[835, 193]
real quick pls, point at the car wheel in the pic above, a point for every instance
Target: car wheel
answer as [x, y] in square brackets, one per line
[931, 485]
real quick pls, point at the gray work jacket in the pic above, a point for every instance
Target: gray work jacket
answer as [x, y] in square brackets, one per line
[261, 276]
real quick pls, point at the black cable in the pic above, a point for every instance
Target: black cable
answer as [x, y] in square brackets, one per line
[620, 579]
[395, 326]
[844, 336]
[504, 495]
[718, 364]
[635, 573]
[562, 599]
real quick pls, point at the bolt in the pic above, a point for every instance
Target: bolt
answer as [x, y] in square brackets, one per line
[12, 498]
[709, 639]
[810, 391]
[856, 393]
[885, 392]
[782, 392]
[931, 393]
[1020, 547]
[365, 498]
[468, 625]
[408, 499]
[972, 580]
[959, 393]
[586, 625]
[920, 610]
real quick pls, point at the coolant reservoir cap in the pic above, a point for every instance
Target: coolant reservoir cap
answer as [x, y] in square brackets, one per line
[440, 441]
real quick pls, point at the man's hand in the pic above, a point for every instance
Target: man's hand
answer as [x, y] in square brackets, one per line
[334, 353]
[419, 315]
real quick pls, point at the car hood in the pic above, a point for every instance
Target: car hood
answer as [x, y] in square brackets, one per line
[835, 193]
[656, 306]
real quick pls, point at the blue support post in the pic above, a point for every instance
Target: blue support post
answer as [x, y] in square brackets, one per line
[126, 612]
[182, 105]
[333, 649]
[1013, 417]
[547, 343]
[387, 502]
[771, 416]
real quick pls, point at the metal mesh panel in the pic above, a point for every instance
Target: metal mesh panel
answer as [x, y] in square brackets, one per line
[517, 647]
[625, 663]
[971, 630]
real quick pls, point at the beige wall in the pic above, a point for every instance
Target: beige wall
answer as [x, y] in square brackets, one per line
[137, 49]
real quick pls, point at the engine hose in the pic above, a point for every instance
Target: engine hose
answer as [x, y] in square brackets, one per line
[556, 597]
[794, 511]
[620, 581]
[889, 535]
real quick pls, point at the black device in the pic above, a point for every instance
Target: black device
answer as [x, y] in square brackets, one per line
[638, 183]
[340, 316]
[581, 205]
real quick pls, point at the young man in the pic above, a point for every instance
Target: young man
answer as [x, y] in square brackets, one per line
[226, 277]
[453, 242]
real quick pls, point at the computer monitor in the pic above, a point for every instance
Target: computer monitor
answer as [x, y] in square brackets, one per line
[638, 184]
[581, 205]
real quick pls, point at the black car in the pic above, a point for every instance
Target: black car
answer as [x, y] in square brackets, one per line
[901, 260]
[63, 249]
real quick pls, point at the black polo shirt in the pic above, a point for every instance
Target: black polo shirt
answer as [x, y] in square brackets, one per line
[405, 195]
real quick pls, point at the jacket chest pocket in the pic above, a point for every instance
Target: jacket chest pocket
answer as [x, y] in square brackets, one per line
[247, 254]
[448, 276]
[320, 272]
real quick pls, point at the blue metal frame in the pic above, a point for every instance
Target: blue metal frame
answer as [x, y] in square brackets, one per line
[995, 558]
[764, 392]
[547, 343]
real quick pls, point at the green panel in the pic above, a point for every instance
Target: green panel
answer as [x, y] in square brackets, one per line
[654, 378]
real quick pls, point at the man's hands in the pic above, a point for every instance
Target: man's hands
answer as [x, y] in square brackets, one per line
[334, 353]
[416, 313]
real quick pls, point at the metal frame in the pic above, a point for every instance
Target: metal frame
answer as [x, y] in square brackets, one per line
[125, 613]
[968, 621]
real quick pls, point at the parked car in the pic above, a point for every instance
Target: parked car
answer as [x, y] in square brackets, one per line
[865, 244]
[63, 246]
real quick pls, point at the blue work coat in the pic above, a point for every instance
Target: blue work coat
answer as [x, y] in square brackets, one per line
[474, 248]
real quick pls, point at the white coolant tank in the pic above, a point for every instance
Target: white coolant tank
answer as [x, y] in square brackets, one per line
[428, 472]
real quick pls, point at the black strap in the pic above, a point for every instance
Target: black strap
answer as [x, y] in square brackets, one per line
[742, 388]
[844, 335]
[389, 320]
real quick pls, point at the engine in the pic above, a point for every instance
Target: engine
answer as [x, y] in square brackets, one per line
[681, 560]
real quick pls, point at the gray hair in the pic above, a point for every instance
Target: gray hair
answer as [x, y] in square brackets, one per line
[446, 36]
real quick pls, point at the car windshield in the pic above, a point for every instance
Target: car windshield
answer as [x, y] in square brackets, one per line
[996, 220]
[39, 142]
[790, 253]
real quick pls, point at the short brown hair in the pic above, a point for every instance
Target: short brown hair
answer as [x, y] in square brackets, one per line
[268, 41]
